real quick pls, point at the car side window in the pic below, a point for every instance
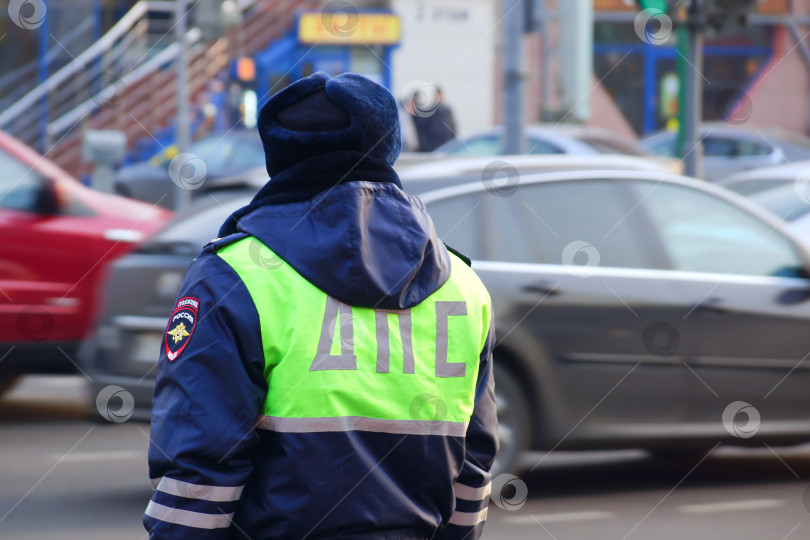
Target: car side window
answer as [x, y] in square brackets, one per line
[20, 185]
[753, 148]
[505, 239]
[560, 218]
[720, 147]
[458, 223]
[701, 232]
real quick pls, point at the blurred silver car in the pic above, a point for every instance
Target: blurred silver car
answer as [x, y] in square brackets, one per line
[454, 166]
[751, 182]
[791, 203]
[547, 139]
[730, 149]
[451, 170]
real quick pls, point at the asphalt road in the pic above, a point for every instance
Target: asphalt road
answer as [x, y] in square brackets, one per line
[65, 477]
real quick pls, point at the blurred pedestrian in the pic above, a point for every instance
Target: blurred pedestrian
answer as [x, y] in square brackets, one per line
[327, 368]
[433, 119]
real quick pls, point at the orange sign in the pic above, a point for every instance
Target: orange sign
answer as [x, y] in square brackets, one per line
[245, 69]
[348, 28]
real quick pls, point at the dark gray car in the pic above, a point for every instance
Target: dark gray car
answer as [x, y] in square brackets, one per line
[632, 309]
[216, 156]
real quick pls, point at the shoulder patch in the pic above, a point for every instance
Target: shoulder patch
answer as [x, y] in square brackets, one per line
[182, 322]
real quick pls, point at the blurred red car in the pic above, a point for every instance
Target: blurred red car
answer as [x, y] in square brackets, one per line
[57, 238]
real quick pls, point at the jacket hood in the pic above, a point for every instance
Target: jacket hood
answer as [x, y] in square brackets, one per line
[366, 244]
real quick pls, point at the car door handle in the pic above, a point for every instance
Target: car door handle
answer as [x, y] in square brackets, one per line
[713, 305]
[793, 296]
[546, 288]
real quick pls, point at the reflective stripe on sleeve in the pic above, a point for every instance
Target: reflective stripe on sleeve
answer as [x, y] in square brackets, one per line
[468, 519]
[470, 493]
[361, 423]
[188, 518]
[199, 491]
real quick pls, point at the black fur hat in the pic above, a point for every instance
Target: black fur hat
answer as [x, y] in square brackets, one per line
[319, 115]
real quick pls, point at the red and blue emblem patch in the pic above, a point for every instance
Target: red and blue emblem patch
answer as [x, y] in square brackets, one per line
[182, 322]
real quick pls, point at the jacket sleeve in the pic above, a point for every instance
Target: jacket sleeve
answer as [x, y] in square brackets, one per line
[207, 400]
[473, 485]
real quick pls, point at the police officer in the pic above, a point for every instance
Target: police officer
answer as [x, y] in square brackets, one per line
[327, 370]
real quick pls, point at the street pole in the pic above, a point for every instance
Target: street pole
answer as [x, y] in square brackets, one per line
[692, 150]
[545, 69]
[182, 197]
[576, 20]
[682, 67]
[512, 62]
[44, 138]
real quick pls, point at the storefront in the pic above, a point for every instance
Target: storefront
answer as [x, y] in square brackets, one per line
[642, 77]
[335, 43]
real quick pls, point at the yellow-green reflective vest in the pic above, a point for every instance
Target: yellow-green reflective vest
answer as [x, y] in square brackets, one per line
[334, 367]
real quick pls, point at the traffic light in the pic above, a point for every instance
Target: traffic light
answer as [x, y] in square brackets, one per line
[722, 14]
[658, 5]
[717, 14]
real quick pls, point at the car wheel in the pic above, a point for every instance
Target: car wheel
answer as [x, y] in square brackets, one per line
[514, 420]
[7, 383]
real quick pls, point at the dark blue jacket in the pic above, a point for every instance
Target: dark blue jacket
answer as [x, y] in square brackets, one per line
[217, 476]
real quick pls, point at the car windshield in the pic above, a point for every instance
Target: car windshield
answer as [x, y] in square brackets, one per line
[784, 201]
[223, 152]
[19, 184]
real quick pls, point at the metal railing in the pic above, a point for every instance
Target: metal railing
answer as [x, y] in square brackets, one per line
[111, 92]
[121, 82]
[134, 41]
[17, 83]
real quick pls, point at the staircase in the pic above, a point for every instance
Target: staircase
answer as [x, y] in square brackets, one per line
[125, 81]
[17, 83]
